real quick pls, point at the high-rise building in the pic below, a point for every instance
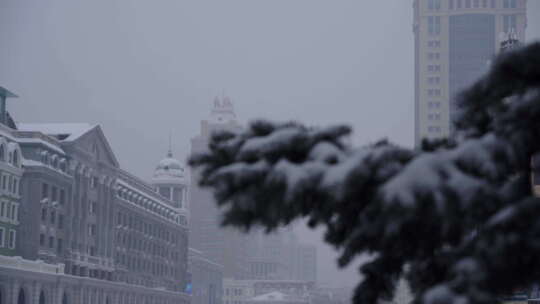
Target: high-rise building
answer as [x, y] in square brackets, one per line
[225, 246]
[455, 40]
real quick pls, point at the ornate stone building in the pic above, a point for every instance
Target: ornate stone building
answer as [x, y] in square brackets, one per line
[89, 231]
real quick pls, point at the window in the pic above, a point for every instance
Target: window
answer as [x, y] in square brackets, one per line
[42, 239]
[476, 3]
[434, 92]
[509, 23]
[15, 185]
[15, 159]
[451, 4]
[54, 193]
[10, 184]
[434, 116]
[93, 207]
[43, 214]
[434, 129]
[484, 3]
[467, 3]
[15, 212]
[2, 209]
[493, 4]
[60, 221]
[62, 198]
[2, 236]
[459, 3]
[53, 217]
[509, 4]
[4, 182]
[434, 4]
[434, 80]
[434, 25]
[93, 182]
[434, 56]
[51, 242]
[44, 190]
[12, 238]
[92, 229]
[59, 245]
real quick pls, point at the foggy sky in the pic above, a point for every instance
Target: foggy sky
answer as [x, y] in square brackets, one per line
[142, 69]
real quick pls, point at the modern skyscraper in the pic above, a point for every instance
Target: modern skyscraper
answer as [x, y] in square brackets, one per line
[227, 247]
[455, 40]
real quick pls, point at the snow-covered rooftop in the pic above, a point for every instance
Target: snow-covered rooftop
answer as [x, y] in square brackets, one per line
[62, 131]
[276, 296]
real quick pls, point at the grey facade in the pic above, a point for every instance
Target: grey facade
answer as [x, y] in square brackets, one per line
[206, 279]
[455, 41]
[110, 236]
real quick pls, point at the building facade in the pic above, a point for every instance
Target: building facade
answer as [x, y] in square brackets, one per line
[455, 41]
[109, 236]
[10, 177]
[224, 246]
[242, 291]
[206, 286]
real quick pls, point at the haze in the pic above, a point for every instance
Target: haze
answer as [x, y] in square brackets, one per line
[144, 69]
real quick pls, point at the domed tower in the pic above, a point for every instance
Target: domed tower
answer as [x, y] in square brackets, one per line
[170, 180]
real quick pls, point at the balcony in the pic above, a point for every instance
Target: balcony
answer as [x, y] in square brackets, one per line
[37, 266]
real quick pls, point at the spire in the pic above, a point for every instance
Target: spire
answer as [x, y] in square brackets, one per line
[169, 153]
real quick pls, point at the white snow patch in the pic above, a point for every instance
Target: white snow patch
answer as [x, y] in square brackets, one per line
[73, 130]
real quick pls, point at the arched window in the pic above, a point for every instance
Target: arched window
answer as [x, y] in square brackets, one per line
[16, 158]
[21, 299]
[41, 297]
[2, 152]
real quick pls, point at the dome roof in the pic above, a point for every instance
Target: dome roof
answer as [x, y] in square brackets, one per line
[169, 167]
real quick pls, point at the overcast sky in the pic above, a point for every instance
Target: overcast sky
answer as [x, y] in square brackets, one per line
[142, 69]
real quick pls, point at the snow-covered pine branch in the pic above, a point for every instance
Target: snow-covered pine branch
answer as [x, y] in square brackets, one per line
[459, 214]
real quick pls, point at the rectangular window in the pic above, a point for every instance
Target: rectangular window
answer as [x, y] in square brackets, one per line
[92, 229]
[12, 238]
[2, 209]
[92, 208]
[62, 196]
[434, 25]
[53, 217]
[451, 4]
[493, 4]
[60, 221]
[459, 3]
[42, 239]
[44, 190]
[93, 182]
[2, 237]
[484, 3]
[476, 3]
[4, 182]
[467, 3]
[15, 186]
[51, 242]
[43, 215]
[10, 185]
[509, 23]
[59, 245]
[15, 212]
[8, 215]
[54, 193]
